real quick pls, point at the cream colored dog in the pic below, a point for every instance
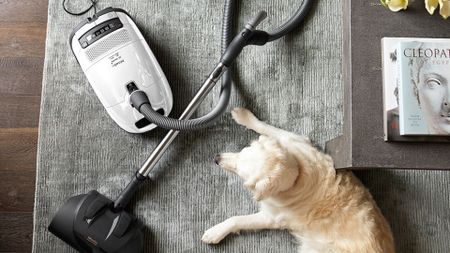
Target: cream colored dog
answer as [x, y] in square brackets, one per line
[299, 190]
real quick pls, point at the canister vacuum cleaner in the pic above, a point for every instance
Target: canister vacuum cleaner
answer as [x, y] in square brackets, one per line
[116, 58]
[130, 84]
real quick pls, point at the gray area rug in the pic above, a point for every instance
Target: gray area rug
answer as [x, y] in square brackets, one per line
[293, 83]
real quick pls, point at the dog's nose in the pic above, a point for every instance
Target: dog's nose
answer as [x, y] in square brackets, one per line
[217, 159]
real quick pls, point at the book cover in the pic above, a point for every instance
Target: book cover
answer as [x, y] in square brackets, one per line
[424, 90]
[391, 83]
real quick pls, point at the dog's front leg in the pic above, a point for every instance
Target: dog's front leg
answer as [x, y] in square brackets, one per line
[235, 224]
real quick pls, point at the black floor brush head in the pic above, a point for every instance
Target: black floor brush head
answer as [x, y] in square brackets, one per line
[90, 224]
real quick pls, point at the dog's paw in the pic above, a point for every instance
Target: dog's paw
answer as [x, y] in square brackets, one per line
[243, 116]
[215, 234]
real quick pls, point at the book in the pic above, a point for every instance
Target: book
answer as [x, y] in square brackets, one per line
[424, 88]
[391, 90]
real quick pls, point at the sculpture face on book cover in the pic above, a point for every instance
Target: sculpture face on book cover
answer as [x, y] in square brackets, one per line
[431, 79]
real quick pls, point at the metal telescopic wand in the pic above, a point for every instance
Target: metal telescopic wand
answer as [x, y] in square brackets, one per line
[248, 36]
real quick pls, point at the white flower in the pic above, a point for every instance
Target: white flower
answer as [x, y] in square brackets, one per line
[396, 5]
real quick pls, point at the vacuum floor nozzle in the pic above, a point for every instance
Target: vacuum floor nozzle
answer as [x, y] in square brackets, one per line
[89, 223]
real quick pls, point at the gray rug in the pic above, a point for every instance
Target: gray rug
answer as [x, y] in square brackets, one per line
[293, 83]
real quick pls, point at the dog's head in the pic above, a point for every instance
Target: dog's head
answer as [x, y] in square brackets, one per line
[265, 166]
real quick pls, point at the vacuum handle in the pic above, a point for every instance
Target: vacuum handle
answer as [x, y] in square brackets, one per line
[248, 36]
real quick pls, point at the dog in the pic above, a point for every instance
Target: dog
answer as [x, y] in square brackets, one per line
[299, 190]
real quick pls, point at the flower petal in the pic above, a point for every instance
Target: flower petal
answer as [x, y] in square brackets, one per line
[431, 5]
[444, 8]
[395, 5]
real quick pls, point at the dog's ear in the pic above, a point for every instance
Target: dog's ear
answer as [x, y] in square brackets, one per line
[280, 178]
[264, 188]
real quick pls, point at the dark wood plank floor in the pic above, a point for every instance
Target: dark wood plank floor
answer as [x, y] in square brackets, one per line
[22, 41]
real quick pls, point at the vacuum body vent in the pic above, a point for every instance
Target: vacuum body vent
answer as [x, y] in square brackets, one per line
[117, 39]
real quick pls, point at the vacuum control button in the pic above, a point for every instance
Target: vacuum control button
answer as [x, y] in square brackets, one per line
[98, 31]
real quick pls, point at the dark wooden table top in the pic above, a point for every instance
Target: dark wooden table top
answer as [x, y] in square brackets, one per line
[22, 41]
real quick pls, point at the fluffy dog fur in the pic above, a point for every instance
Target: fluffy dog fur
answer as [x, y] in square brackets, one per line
[299, 190]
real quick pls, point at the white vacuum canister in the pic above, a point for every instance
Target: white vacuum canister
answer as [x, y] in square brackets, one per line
[113, 54]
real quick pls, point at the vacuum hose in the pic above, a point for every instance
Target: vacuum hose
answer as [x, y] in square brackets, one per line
[230, 49]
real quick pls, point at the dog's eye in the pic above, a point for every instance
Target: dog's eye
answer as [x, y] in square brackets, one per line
[433, 82]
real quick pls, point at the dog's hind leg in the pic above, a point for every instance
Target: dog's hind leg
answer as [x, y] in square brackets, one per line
[236, 224]
[246, 118]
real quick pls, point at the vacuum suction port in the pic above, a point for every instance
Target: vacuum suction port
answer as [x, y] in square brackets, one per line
[131, 87]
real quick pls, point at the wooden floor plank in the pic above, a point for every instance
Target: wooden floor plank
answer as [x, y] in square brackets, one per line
[19, 111]
[18, 149]
[16, 232]
[17, 169]
[22, 39]
[21, 76]
[18, 191]
[24, 11]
